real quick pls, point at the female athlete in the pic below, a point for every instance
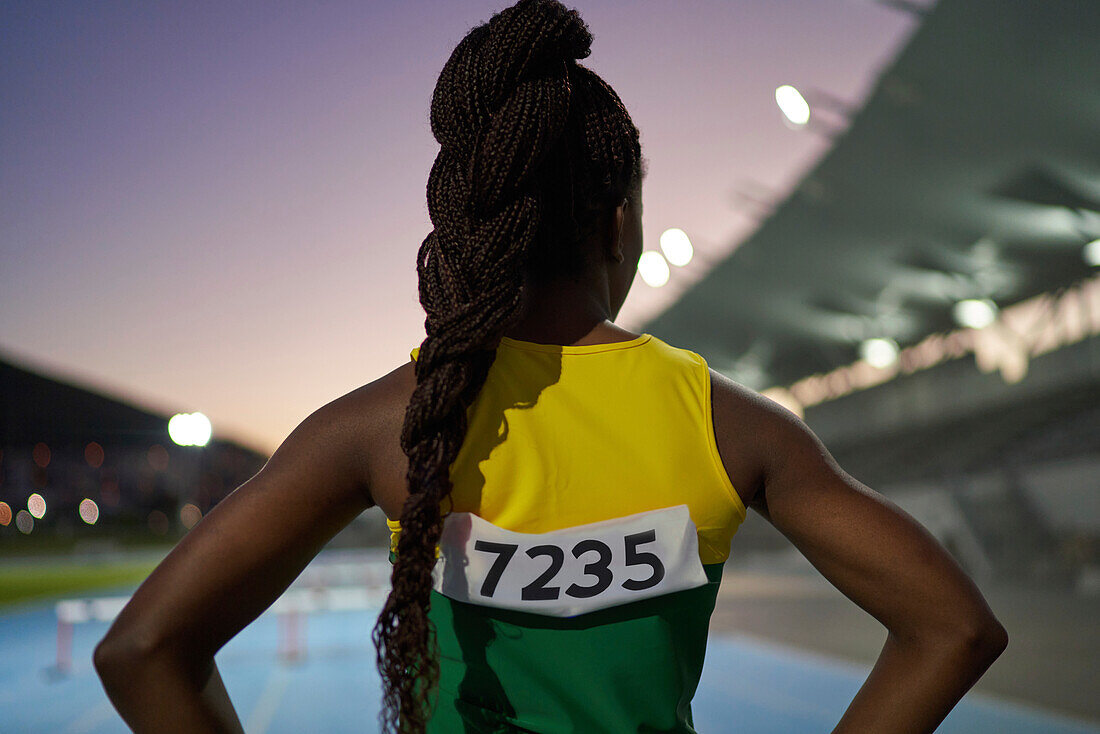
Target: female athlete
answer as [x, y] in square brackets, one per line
[562, 493]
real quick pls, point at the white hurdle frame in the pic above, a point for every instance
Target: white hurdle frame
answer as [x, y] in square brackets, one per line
[335, 587]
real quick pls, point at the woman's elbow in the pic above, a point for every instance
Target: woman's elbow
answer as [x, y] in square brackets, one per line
[995, 637]
[117, 655]
[986, 640]
[981, 638]
[110, 656]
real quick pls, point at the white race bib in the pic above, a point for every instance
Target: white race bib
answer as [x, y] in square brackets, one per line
[569, 571]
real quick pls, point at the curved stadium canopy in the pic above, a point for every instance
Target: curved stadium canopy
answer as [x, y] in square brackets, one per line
[972, 171]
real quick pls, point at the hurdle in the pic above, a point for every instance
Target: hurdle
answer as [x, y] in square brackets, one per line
[328, 587]
[293, 608]
[325, 587]
[71, 612]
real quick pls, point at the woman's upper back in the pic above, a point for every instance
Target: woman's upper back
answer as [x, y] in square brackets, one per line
[561, 436]
[379, 410]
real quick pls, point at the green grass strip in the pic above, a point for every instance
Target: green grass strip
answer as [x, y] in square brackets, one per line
[22, 582]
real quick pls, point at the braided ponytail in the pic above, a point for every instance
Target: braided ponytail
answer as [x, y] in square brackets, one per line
[532, 148]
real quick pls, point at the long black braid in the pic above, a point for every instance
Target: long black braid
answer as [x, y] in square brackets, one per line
[534, 148]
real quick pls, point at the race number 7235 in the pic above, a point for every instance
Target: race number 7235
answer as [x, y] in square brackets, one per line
[572, 570]
[599, 568]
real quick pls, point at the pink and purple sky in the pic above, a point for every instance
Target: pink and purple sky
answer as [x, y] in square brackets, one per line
[217, 206]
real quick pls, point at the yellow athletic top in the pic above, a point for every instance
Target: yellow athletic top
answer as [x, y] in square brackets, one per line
[567, 435]
[582, 555]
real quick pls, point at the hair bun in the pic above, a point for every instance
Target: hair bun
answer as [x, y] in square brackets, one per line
[530, 40]
[570, 37]
[532, 35]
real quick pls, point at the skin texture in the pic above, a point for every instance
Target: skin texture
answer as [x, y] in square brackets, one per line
[157, 660]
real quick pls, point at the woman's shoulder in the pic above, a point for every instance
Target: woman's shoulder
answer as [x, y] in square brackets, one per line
[378, 407]
[367, 421]
[391, 390]
[749, 428]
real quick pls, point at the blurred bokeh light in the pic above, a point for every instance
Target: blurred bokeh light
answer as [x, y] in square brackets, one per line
[677, 246]
[189, 429]
[36, 505]
[653, 268]
[190, 515]
[89, 511]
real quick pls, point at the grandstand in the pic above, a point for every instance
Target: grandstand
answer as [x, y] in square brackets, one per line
[971, 175]
[105, 472]
[108, 473]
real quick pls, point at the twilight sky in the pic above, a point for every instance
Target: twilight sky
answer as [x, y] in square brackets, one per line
[217, 206]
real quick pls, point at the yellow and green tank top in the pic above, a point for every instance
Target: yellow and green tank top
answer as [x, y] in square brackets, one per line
[583, 543]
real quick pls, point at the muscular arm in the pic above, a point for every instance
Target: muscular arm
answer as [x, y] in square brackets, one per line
[942, 635]
[157, 659]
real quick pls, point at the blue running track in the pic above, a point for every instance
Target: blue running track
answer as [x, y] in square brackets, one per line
[335, 688]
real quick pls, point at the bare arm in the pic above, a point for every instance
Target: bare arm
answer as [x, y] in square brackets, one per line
[942, 635]
[157, 660]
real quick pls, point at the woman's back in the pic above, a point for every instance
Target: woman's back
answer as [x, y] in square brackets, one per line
[579, 598]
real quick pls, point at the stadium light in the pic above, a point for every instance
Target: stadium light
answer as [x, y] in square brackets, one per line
[975, 313]
[879, 352]
[190, 515]
[676, 246]
[88, 511]
[24, 521]
[653, 268]
[36, 505]
[792, 104]
[189, 429]
[1091, 253]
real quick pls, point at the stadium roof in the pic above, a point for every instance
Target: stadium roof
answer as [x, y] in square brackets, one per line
[972, 171]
